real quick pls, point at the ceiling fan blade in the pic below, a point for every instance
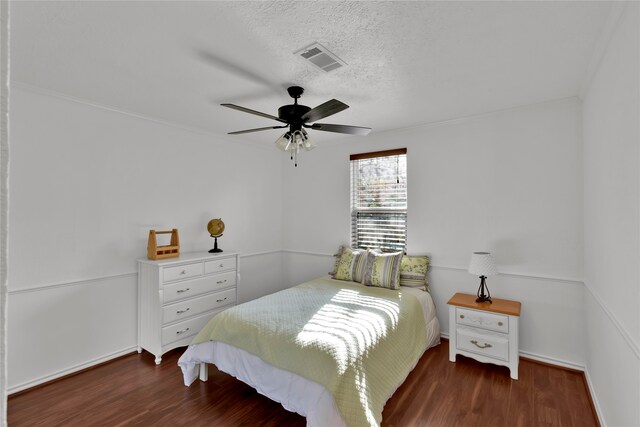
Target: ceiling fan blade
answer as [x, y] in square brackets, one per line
[327, 109]
[238, 132]
[351, 130]
[257, 113]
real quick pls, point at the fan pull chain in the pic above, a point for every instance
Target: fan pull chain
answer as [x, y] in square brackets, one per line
[397, 170]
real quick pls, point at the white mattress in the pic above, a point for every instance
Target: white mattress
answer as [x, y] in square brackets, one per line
[295, 393]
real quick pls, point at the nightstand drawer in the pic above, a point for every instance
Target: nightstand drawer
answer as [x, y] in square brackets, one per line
[182, 272]
[482, 319]
[194, 306]
[481, 342]
[220, 265]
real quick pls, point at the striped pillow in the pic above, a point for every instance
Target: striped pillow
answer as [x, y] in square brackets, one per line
[350, 265]
[383, 269]
[413, 272]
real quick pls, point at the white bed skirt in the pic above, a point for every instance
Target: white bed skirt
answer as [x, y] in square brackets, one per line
[295, 393]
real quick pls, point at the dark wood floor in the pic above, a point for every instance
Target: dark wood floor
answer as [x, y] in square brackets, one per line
[134, 391]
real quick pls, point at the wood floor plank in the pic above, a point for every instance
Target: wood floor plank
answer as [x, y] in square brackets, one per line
[133, 391]
[521, 402]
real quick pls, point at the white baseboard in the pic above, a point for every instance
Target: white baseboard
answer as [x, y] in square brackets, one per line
[541, 358]
[552, 361]
[594, 398]
[71, 370]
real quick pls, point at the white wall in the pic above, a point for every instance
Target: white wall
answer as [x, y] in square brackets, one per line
[87, 185]
[4, 202]
[611, 120]
[508, 182]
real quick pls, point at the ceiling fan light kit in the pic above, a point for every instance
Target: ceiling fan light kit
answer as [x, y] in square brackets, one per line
[297, 117]
[293, 142]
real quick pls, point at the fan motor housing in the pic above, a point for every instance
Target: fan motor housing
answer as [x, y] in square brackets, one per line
[293, 113]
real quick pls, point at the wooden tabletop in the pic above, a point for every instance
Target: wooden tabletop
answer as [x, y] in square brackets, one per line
[504, 306]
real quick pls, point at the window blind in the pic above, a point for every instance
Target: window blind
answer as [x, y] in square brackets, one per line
[379, 200]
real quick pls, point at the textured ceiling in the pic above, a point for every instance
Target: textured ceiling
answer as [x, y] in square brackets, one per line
[409, 63]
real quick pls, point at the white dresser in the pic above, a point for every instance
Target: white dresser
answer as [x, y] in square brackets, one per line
[485, 332]
[178, 296]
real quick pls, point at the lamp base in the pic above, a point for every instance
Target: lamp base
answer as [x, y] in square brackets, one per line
[481, 295]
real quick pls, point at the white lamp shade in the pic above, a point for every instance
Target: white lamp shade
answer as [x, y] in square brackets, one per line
[284, 141]
[297, 137]
[307, 142]
[482, 264]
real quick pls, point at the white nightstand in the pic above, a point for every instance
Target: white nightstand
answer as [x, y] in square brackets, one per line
[485, 332]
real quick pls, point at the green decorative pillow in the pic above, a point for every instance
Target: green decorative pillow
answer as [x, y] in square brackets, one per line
[413, 272]
[350, 264]
[382, 269]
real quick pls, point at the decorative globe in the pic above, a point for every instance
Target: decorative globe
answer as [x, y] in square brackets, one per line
[215, 227]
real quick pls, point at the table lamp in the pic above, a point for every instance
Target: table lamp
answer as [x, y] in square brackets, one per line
[482, 264]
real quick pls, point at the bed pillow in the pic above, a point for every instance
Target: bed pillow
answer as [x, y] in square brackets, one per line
[382, 269]
[350, 264]
[413, 272]
[337, 255]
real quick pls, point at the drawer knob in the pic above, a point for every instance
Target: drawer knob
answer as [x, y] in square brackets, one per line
[499, 323]
[219, 282]
[183, 272]
[220, 300]
[462, 316]
[221, 265]
[485, 345]
[182, 311]
[182, 331]
[183, 290]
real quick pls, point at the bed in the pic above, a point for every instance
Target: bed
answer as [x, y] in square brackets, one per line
[333, 351]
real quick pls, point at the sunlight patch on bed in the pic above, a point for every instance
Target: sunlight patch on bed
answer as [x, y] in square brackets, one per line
[361, 383]
[350, 326]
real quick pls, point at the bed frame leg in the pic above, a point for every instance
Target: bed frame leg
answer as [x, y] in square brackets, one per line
[204, 372]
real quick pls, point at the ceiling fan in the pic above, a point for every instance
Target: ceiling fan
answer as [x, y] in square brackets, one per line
[297, 118]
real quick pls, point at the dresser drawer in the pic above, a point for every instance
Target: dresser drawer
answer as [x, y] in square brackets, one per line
[223, 280]
[482, 319]
[190, 288]
[220, 265]
[182, 272]
[483, 342]
[193, 306]
[184, 329]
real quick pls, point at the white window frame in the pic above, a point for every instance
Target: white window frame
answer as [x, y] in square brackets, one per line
[382, 226]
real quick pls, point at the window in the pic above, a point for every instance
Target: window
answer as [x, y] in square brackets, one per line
[379, 200]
